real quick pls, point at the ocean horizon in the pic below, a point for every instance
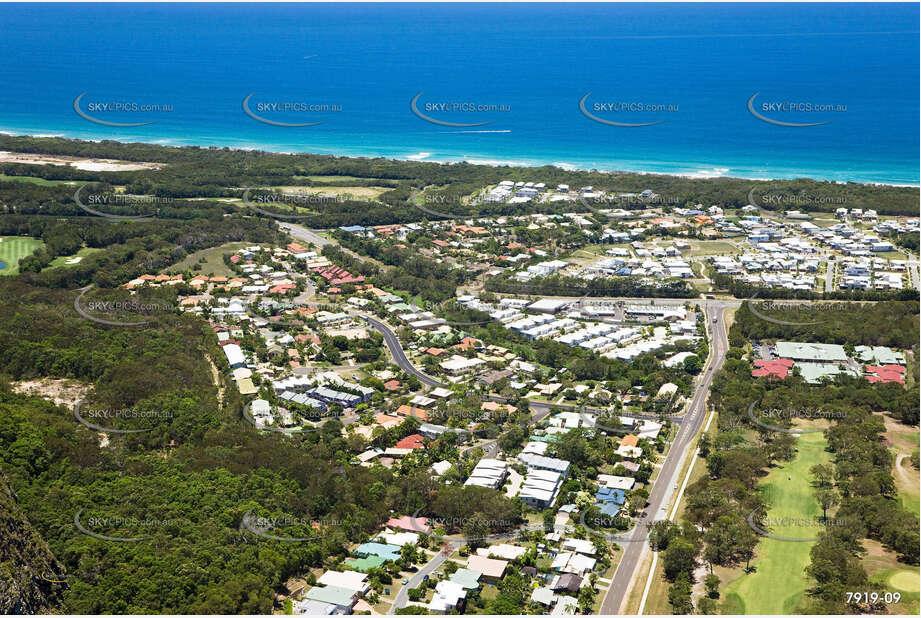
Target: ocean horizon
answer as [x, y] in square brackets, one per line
[822, 91]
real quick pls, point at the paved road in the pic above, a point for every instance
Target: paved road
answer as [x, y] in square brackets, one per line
[540, 409]
[830, 275]
[636, 547]
[302, 233]
[415, 580]
[396, 350]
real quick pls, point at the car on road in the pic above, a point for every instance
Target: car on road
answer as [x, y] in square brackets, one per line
[405, 581]
[714, 319]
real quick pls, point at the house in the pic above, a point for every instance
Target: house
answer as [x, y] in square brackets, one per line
[539, 462]
[569, 582]
[310, 607]
[492, 569]
[624, 483]
[399, 538]
[582, 546]
[234, 356]
[449, 596]
[440, 468]
[385, 551]
[466, 578]
[540, 488]
[350, 580]
[543, 596]
[342, 598]
[489, 473]
[433, 432]
[410, 524]
[405, 410]
[459, 365]
[411, 442]
[565, 606]
[573, 562]
[504, 551]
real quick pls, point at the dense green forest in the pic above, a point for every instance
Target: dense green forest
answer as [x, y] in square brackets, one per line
[188, 481]
[214, 172]
[892, 323]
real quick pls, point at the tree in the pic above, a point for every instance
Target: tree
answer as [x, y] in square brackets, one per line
[679, 595]
[827, 498]
[706, 606]
[712, 583]
[692, 365]
[678, 558]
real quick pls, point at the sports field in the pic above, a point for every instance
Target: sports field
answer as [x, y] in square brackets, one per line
[13, 249]
[778, 583]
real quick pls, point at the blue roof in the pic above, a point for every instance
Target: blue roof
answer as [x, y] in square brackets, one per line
[352, 228]
[609, 509]
[388, 552]
[608, 495]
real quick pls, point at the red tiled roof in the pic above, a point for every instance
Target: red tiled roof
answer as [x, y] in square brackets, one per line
[885, 373]
[413, 441]
[419, 413]
[779, 368]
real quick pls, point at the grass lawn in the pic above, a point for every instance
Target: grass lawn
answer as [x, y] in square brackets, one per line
[778, 583]
[35, 181]
[13, 249]
[64, 260]
[213, 265]
[883, 568]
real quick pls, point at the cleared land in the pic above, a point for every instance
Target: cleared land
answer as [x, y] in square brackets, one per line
[778, 583]
[72, 260]
[13, 249]
[903, 441]
[35, 181]
[355, 192]
[213, 265]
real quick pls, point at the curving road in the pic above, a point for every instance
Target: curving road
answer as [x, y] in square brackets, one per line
[396, 350]
[662, 489]
[689, 424]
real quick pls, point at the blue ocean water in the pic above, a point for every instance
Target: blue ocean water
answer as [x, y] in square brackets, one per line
[690, 68]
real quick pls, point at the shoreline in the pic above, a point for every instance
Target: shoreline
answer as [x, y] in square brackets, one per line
[707, 172]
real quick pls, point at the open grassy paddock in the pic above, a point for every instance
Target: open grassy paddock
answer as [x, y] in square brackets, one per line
[213, 266]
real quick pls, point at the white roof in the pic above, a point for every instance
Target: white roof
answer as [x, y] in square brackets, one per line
[581, 546]
[505, 551]
[351, 580]
[543, 596]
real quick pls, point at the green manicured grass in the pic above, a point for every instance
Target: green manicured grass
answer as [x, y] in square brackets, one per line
[61, 260]
[779, 582]
[13, 249]
[35, 181]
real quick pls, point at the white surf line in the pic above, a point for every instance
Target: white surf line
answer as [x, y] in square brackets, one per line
[655, 554]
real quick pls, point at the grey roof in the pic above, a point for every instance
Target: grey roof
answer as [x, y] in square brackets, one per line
[820, 352]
